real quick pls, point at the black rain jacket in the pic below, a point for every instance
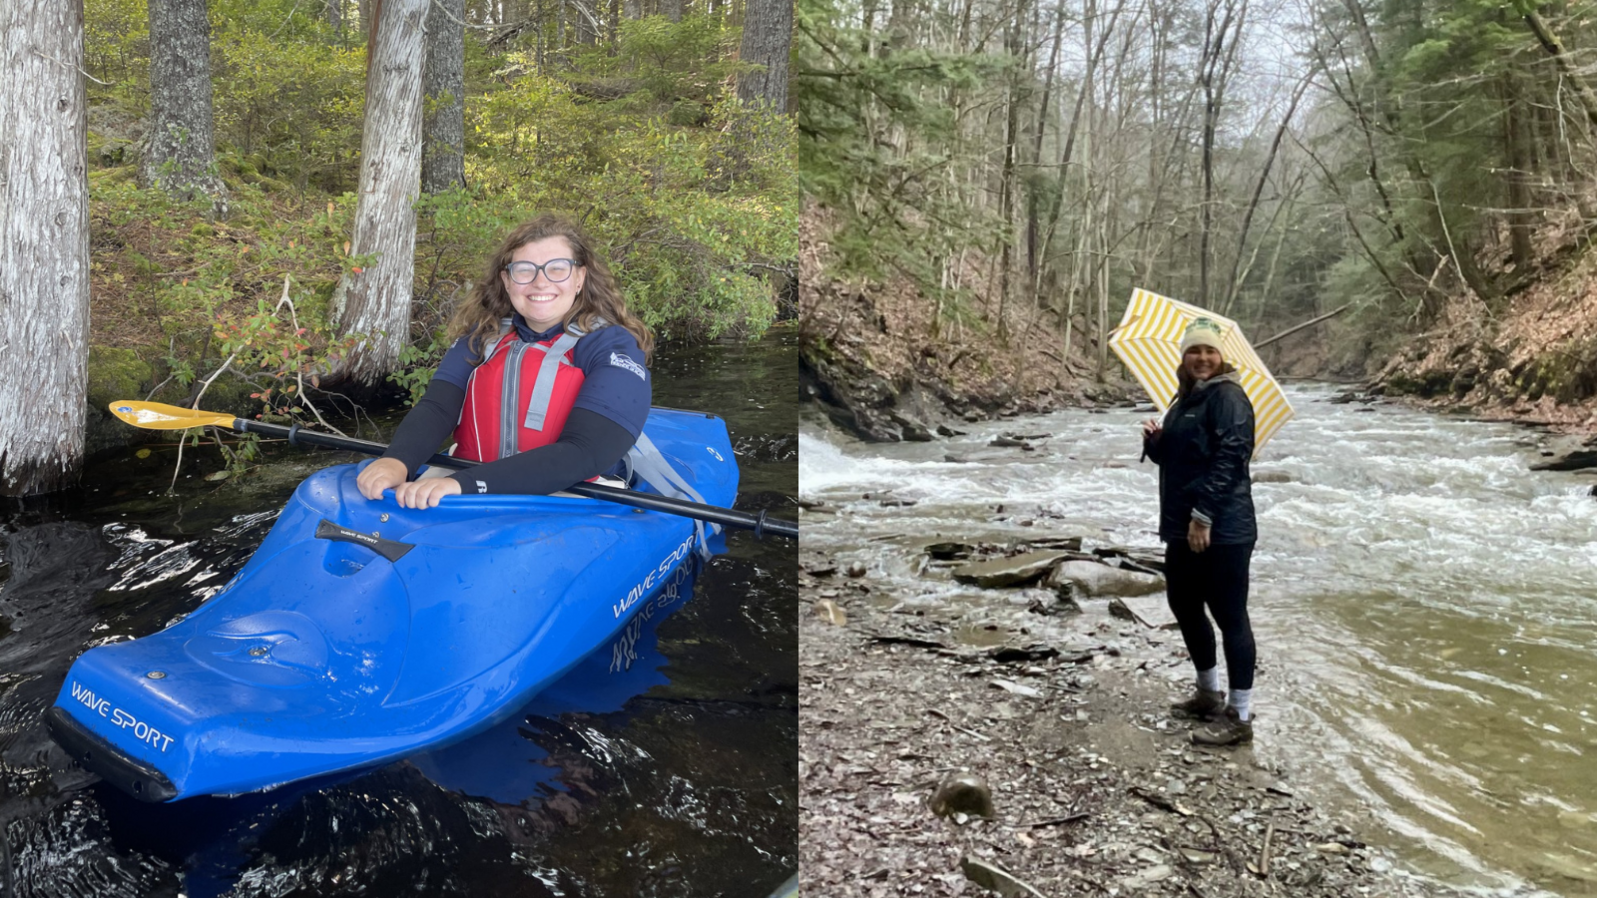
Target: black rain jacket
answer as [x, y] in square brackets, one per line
[1203, 452]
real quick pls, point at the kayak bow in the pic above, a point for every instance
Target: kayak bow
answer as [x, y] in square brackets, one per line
[361, 632]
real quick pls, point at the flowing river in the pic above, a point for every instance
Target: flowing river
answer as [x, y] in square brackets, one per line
[1425, 606]
[661, 766]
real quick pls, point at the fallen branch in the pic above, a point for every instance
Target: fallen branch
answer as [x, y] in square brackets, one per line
[1292, 330]
[1264, 853]
[1057, 821]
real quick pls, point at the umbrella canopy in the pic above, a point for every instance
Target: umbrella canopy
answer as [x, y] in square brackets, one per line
[1148, 340]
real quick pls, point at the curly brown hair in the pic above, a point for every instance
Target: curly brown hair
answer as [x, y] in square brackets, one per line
[488, 303]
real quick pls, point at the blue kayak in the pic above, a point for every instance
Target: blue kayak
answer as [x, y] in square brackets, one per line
[361, 632]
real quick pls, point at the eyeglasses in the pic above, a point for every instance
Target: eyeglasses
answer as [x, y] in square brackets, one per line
[556, 270]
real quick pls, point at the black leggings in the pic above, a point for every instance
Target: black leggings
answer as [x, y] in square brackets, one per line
[1216, 577]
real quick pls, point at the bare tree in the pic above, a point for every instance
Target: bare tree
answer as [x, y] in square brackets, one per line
[373, 300]
[44, 245]
[180, 151]
[767, 42]
[443, 162]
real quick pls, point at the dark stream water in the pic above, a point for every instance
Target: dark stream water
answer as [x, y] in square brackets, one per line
[661, 766]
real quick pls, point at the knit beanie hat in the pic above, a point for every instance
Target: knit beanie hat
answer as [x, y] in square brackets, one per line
[1201, 332]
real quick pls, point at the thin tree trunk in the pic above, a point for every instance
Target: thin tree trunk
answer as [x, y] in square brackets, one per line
[1006, 190]
[179, 153]
[443, 163]
[1516, 140]
[767, 42]
[374, 301]
[1235, 282]
[1566, 66]
[1033, 265]
[44, 246]
[1213, 76]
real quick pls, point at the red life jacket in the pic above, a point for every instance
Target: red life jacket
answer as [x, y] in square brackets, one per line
[519, 398]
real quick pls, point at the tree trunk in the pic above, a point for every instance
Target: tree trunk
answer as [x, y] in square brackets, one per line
[1566, 67]
[1235, 283]
[1006, 189]
[1516, 142]
[44, 246]
[767, 42]
[180, 151]
[335, 15]
[1033, 197]
[374, 300]
[443, 162]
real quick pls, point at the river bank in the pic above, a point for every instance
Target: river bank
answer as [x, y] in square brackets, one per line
[1422, 605]
[1095, 791]
[884, 362]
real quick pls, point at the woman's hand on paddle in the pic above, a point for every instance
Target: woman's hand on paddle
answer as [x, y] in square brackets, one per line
[1150, 427]
[1197, 536]
[382, 474]
[426, 493]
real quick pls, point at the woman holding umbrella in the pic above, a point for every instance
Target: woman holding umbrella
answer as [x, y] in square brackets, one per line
[1206, 520]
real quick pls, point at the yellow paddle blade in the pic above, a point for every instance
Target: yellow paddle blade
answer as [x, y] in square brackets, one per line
[156, 416]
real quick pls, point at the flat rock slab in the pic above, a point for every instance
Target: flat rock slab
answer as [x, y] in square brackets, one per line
[1094, 579]
[1016, 570]
[1150, 611]
[1569, 461]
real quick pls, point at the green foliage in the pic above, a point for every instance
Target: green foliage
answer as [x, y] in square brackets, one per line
[666, 61]
[690, 194]
[873, 144]
[1450, 81]
[688, 213]
[116, 40]
[291, 109]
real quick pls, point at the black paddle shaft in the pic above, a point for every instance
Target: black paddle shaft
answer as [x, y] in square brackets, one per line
[760, 524]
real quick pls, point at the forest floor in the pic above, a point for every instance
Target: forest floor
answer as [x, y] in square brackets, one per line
[1095, 791]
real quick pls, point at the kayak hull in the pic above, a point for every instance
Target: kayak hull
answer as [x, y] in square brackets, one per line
[361, 632]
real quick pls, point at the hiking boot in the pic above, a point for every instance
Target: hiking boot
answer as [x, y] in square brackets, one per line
[1204, 705]
[1230, 730]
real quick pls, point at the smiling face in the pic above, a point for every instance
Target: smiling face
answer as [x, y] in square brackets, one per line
[1202, 362]
[544, 303]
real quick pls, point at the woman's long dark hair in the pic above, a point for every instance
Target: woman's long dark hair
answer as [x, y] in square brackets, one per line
[488, 303]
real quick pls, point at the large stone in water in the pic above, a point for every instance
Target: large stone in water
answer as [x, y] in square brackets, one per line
[1569, 461]
[998, 573]
[1094, 579]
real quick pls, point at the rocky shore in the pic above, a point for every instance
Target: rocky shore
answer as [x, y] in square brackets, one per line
[906, 733]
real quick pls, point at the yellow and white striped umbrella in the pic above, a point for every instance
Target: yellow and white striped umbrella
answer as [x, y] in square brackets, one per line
[1148, 340]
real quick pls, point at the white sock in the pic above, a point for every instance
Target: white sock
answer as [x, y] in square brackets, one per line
[1241, 700]
[1209, 679]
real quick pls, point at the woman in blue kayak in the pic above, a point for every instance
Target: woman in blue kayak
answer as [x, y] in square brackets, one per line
[546, 381]
[1206, 521]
